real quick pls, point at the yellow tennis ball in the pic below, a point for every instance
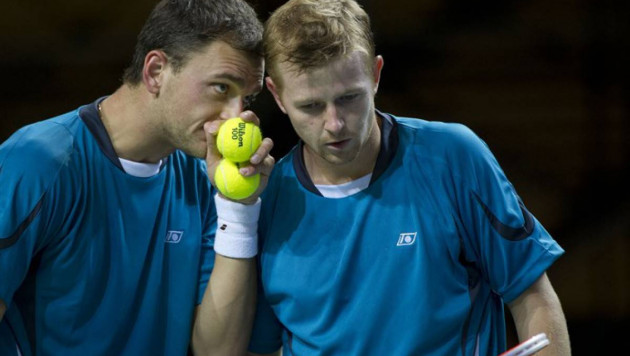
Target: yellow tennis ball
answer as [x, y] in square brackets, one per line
[237, 140]
[231, 183]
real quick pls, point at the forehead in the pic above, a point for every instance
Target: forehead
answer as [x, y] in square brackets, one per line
[220, 60]
[339, 74]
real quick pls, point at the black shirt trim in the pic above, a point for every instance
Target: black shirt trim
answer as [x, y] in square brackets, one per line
[389, 146]
[11, 240]
[92, 119]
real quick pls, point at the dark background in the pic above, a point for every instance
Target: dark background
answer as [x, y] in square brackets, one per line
[545, 83]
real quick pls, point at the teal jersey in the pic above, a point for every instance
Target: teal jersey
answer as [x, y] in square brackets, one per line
[94, 261]
[418, 263]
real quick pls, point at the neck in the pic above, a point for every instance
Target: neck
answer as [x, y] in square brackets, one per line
[127, 118]
[323, 172]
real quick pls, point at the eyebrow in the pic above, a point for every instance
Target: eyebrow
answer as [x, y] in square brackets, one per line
[350, 91]
[238, 80]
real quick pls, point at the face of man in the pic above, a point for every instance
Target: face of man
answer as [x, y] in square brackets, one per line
[213, 84]
[331, 108]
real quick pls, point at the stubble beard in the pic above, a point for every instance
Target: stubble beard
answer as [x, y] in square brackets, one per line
[190, 143]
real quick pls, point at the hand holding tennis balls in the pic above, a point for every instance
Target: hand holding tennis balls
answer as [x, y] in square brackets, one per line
[231, 183]
[237, 141]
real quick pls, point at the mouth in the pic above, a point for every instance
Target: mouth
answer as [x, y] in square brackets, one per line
[338, 145]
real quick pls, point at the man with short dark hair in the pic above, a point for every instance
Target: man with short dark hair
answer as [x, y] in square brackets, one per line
[108, 237]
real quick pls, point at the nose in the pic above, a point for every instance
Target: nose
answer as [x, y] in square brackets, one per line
[233, 107]
[333, 121]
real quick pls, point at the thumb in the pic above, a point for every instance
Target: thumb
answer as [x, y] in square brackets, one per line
[213, 157]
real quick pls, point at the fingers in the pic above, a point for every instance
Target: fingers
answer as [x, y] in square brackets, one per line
[250, 116]
[260, 159]
[263, 150]
[260, 162]
[213, 157]
[212, 128]
[267, 166]
[264, 168]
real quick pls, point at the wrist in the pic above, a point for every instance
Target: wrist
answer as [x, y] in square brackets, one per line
[237, 228]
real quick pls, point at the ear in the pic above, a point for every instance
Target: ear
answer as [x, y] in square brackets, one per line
[376, 71]
[152, 73]
[274, 91]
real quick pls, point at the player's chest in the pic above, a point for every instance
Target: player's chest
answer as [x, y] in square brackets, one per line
[130, 223]
[391, 237]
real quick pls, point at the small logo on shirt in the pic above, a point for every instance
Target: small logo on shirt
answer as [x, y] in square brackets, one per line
[173, 237]
[406, 239]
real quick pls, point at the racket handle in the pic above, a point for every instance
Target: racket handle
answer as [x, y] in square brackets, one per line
[529, 346]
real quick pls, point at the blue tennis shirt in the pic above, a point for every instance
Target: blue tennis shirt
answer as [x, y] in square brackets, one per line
[94, 261]
[418, 263]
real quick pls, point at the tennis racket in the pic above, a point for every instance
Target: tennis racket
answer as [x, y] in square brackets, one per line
[529, 346]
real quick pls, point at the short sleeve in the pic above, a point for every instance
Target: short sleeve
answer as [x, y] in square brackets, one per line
[30, 162]
[502, 238]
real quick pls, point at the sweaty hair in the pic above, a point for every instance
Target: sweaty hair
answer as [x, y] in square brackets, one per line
[182, 27]
[310, 33]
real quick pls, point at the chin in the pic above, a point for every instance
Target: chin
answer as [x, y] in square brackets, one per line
[339, 160]
[198, 152]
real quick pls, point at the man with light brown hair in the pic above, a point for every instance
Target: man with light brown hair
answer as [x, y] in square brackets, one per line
[385, 235]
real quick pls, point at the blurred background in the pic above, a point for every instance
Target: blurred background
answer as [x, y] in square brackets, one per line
[544, 83]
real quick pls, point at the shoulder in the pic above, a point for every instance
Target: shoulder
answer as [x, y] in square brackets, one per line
[452, 142]
[40, 149]
[30, 164]
[452, 149]
[441, 135]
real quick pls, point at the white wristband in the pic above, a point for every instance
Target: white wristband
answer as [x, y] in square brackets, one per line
[237, 228]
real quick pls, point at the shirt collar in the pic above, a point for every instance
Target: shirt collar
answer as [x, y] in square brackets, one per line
[387, 151]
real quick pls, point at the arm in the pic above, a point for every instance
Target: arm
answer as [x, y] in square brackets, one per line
[227, 308]
[3, 308]
[223, 321]
[538, 310]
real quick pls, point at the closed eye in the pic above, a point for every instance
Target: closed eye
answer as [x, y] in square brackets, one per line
[348, 98]
[310, 107]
